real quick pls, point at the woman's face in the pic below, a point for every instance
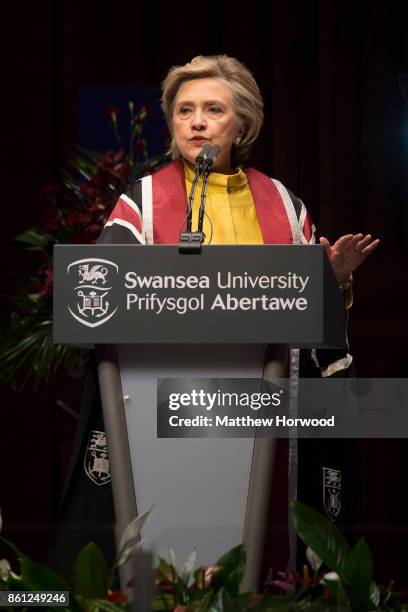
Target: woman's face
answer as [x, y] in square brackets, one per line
[204, 114]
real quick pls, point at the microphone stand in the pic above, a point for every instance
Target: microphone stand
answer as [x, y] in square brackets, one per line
[207, 172]
[190, 242]
[208, 164]
[198, 170]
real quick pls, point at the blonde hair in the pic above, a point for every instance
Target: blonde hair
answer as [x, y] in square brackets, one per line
[246, 97]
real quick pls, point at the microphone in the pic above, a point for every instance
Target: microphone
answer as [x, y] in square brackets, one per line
[210, 158]
[190, 242]
[199, 166]
[208, 165]
[202, 156]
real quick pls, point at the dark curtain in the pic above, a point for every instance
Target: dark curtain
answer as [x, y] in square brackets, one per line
[335, 133]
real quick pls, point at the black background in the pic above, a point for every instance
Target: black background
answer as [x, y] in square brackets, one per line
[336, 133]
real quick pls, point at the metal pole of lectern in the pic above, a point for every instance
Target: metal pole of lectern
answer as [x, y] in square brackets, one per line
[123, 490]
[260, 484]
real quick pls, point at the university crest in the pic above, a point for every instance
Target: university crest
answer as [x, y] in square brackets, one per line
[332, 492]
[92, 278]
[96, 461]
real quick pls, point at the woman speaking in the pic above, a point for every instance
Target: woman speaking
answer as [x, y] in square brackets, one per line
[213, 101]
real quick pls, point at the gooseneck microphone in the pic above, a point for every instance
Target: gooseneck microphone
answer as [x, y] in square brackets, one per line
[208, 165]
[190, 242]
[199, 167]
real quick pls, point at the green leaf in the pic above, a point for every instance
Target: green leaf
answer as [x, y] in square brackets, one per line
[37, 577]
[181, 592]
[166, 572]
[234, 558]
[277, 603]
[323, 537]
[358, 571]
[222, 602]
[202, 604]
[241, 603]
[33, 237]
[233, 564]
[100, 605]
[27, 352]
[91, 573]
[163, 601]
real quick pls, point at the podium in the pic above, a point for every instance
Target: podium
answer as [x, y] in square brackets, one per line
[153, 313]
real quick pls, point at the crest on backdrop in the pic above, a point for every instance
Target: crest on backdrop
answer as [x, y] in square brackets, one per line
[96, 461]
[332, 488]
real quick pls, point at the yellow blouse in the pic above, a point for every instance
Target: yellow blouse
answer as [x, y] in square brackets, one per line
[229, 206]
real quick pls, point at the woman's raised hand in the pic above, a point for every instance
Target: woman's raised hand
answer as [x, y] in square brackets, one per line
[348, 252]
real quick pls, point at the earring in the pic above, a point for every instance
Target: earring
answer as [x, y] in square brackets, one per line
[237, 140]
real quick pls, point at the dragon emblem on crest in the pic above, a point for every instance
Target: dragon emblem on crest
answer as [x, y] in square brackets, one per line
[92, 275]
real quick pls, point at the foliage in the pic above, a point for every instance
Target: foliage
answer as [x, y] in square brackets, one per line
[93, 584]
[76, 211]
[346, 585]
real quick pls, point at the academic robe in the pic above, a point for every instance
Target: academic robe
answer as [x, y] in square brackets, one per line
[153, 211]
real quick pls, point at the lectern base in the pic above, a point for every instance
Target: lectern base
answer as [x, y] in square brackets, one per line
[199, 486]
